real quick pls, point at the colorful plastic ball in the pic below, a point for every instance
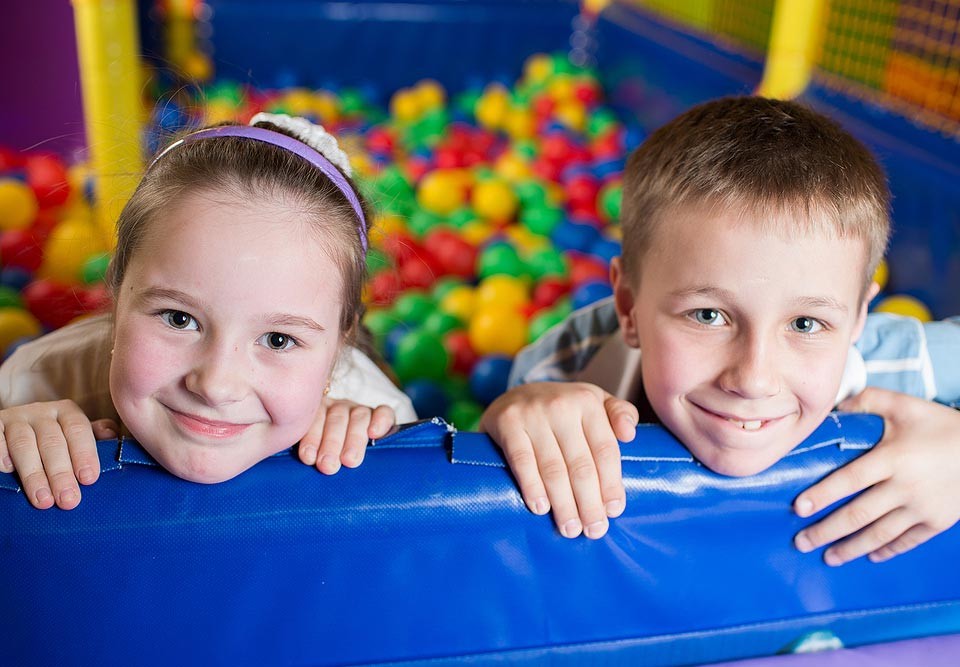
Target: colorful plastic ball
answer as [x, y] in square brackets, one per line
[392, 341]
[15, 277]
[499, 258]
[608, 203]
[605, 249]
[379, 322]
[903, 304]
[420, 354]
[18, 204]
[54, 304]
[465, 415]
[489, 377]
[497, 331]
[444, 286]
[494, 200]
[459, 301]
[537, 68]
[882, 274]
[549, 290]
[67, 248]
[405, 106]
[477, 232]
[422, 221]
[15, 324]
[453, 254]
[428, 398]
[574, 236]
[590, 292]
[419, 271]
[19, 247]
[382, 289]
[544, 321]
[585, 268]
[547, 262]
[441, 192]
[440, 323]
[502, 291]
[541, 217]
[413, 307]
[462, 355]
[430, 94]
[95, 268]
[47, 177]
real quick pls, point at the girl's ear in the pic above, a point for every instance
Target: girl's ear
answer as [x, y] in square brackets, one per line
[623, 300]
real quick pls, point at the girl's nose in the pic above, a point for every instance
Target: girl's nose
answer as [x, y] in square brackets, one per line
[217, 377]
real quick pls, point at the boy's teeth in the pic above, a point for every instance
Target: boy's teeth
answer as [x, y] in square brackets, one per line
[748, 425]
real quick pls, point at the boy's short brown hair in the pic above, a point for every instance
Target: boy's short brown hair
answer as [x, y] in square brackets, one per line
[762, 157]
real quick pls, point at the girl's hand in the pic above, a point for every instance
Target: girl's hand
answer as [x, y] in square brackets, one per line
[911, 477]
[560, 440]
[51, 445]
[340, 432]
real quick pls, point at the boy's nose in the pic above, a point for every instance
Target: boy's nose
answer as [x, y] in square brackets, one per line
[217, 377]
[752, 370]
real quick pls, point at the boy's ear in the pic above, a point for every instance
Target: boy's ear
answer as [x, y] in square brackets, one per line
[872, 290]
[623, 300]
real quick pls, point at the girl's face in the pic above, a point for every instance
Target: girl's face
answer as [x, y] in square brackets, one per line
[227, 326]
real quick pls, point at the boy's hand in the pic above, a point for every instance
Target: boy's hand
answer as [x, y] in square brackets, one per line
[912, 476]
[51, 446]
[560, 440]
[340, 432]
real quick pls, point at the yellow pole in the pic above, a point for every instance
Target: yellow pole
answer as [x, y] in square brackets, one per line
[108, 48]
[795, 38]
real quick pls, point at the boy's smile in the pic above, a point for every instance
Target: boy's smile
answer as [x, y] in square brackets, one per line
[744, 331]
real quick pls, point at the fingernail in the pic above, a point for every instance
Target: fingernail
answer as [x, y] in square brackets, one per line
[832, 559]
[7, 464]
[69, 497]
[802, 542]
[329, 464]
[540, 506]
[308, 456]
[571, 528]
[804, 507]
[85, 475]
[595, 529]
[43, 495]
[614, 508]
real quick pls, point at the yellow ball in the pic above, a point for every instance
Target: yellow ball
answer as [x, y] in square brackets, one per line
[511, 167]
[219, 111]
[477, 232]
[496, 330]
[494, 200]
[326, 108]
[405, 106]
[519, 123]
[390, 224]
[502, 291]
[525, 240]
[197, 66]
[572, 114]
[441, 192]
[882, 274]
[561, 88]
[492, 107]
[299, 102]
[18, 204]
[537, 68]
[459, 301]
[16, 323]
[431, 94]
[68, 247]
[902, 304]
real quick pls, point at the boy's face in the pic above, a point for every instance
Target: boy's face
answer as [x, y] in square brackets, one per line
[743, 334]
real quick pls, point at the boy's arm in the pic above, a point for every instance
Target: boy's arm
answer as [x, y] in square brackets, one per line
[51, 445]
[910, 482]
[560, 440]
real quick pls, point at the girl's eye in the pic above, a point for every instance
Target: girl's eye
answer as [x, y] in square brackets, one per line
[277, 341]
[709, 317]
[178, 319]
[806, 325]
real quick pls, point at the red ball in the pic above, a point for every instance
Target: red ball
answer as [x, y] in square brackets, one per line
[547, 169]
[587, 92]
[543, 106]
[585, 268]
[608, 146]
[419, 271]
[53, 303]
[556, 148]
[580, 189]
[20, 247]
[384, 287]
[454, 255]
[95, 298]
[416, 167]
[400, 247]
[10, 159]
[549, 290]
[448, 157]
[462, 356]
[47, 176]
[380, 140]
[44, 223]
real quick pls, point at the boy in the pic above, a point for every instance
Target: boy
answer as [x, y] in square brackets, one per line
[751, 232]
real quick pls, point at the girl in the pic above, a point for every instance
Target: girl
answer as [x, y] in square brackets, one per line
[236, 284]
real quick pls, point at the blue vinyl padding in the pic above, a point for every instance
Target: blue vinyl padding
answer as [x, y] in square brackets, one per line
[426, 552]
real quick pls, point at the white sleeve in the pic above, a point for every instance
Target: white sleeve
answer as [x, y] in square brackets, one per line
[356, 378]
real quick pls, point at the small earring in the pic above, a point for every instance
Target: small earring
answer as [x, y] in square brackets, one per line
[326, 390]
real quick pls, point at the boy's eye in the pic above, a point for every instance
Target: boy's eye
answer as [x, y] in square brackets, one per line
[277, 341]
[709, 316]
[806, 325]
[179, 320]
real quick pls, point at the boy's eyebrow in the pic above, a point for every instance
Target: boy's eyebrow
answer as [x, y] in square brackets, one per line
[820, 302]
[720, 294]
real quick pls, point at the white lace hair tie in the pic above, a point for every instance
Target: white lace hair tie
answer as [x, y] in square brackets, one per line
[311, 134]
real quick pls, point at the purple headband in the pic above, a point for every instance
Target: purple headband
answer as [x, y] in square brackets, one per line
[295, 146]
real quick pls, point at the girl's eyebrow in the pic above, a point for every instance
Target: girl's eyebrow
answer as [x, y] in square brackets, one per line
[286, 320]
[167, 294]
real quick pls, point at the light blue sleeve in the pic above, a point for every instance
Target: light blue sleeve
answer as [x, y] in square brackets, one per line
[903, 354]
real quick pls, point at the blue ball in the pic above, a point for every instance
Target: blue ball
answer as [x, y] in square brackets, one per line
[489, 376]
[590, 292]
[605, 249]
[604, 168]
[392, 340]
[428, 397]
[578, 236]
[15, 277]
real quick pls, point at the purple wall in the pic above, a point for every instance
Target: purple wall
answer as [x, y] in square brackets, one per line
[40, 102]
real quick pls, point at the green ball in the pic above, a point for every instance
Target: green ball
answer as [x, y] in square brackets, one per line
[352, 102]
[224, 91]
[439, 323]
[465, 415]
[10, 298]
[610, 197]
[564, 306]
[461, 217]
[377, 260]
[95, 268]
[562, 64]
[466, 102]
[541, 218]
[443, 286]
[379, 322]
[500, 258]
[413, 307]
[456, 387]
[420, 354]
[600, 122]
[543, 321]
[421, 221]
[547, 262]
[526, 148]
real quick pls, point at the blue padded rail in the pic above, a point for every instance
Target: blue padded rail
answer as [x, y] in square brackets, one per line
[426, 552]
